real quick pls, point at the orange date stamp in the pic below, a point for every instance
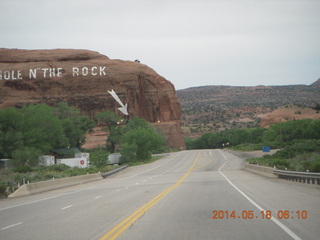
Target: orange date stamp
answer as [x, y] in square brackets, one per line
[250, 214]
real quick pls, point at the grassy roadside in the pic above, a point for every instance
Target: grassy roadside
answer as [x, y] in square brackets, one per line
[302, 162]
[154, 158]
[301, 156]
[11, 179]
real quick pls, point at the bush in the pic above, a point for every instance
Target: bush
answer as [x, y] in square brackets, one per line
[300, 163]
[26, 156]
[280, 163]
[99, 158]
[138, 144]
[23, 169]
[3, 189]
[128, 153]
[57, 168]
[247, 147]
[315, 167]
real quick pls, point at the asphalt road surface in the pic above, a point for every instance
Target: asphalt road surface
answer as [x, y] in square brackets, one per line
[186, 195]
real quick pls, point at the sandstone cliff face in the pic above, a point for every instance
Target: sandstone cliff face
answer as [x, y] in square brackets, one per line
[83, 78]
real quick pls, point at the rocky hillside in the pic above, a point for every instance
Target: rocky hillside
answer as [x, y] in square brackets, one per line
[289, 113]
[212, 108]
[83, 78]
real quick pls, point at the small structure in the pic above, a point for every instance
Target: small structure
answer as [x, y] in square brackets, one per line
[74, 162]
[114, 158]
[266, 149]
[46, 160]
[5, 163]
[72, 157]
[67, 152]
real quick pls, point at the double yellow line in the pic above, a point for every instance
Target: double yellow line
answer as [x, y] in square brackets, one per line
[117, 230]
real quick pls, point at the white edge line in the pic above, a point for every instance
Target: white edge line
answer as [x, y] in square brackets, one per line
[44, 199]
[287, 230]
[57, 196]
[154, 167]
[13, 225]
[67, 207]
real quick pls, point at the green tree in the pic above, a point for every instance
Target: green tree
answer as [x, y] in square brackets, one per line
[114, 138]
[189, 143]
[41, 128]
[256, 134]
[115, 130]
[64, 111]
[11, 136]
[75, 135]
[74, 125]
[75, 129]
[314, 129]
[138, 144]
[26, 156]
[108, 118]
[282, 134]
[99, 158]
[128, 152]
[136, 123]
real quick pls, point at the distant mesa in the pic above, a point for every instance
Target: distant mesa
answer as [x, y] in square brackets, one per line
[316, 84]
[83, 78]
[289, 113]
[215, 108]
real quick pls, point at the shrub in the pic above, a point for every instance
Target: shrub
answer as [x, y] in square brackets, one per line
[3, 189]
[57, 167]
[280, 163]
[26, 156]
[99, 158]
[23, 169]
[315, 167]
[138, 144]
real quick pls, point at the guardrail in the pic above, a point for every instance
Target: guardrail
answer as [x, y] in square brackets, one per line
[305, 177]
[106, 174]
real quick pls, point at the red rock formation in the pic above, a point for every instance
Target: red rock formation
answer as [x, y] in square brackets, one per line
[83, 78]
[289, 113]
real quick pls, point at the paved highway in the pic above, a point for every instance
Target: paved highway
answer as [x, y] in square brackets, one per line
[186, 195]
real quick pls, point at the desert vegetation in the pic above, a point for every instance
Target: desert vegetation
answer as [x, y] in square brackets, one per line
[298, 141]
[215, 108]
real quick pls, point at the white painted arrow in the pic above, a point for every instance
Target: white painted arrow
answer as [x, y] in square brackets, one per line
[123, 108]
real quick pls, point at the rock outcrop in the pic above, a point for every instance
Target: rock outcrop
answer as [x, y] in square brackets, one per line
[83, 78]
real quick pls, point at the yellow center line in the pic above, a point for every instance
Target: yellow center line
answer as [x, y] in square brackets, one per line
[117, 230]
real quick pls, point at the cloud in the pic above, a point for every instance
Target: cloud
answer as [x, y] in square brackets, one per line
[189, 42]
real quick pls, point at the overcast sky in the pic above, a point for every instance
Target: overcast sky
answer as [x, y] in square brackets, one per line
[189, 42]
